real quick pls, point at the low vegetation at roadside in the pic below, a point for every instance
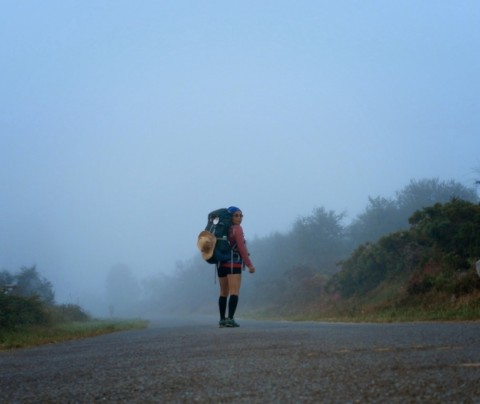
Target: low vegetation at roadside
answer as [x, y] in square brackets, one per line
[25, 336]
[431, 307]
[29, 315]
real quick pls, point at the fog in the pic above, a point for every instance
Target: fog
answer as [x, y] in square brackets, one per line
[124, 123]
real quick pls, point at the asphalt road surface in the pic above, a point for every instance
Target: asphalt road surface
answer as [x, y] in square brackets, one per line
[191, 360]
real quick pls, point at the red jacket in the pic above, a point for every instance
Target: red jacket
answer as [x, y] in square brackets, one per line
[237, 241]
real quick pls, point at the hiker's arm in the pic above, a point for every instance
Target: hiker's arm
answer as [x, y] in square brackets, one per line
[242, 248]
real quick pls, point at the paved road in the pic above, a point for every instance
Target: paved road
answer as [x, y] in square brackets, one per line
[191, 360]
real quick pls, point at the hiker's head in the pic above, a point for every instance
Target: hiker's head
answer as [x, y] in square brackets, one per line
[237, 214]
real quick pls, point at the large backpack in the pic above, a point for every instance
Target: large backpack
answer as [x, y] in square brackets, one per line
[219, 223]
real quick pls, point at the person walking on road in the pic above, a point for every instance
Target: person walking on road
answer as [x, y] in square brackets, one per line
[230, 272]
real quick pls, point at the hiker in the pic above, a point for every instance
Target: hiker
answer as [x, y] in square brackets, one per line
[229, 272]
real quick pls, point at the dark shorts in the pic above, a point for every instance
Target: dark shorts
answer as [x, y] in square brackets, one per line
[224, 271]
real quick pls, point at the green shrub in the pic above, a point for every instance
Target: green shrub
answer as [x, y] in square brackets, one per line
[18, 311]
[65, 313]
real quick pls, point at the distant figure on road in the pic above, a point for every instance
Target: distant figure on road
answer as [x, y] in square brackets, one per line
[230, 272]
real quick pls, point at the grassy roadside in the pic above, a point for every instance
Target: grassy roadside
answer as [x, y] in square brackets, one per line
[430, 307]
[386, 316]
[39, 335]
[435, 306]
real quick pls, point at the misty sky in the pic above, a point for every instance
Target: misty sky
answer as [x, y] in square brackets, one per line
[123, 123]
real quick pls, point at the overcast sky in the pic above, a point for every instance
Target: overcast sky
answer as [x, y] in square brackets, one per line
[123, 123]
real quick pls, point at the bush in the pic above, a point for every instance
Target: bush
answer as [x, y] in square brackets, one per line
[65, 313]
[18, 311]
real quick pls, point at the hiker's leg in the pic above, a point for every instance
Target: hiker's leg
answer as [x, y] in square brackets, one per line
[222, 306]
[234, 281]
[232, 306]
[222, 299]
[224, 286]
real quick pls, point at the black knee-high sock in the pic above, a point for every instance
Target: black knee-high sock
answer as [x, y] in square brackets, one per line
[232, 305]
[222, 306]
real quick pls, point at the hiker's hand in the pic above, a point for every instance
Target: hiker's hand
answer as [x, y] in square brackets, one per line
[251, 269]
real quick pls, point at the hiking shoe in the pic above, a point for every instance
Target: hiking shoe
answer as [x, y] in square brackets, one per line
[230, 322]
[222, 323]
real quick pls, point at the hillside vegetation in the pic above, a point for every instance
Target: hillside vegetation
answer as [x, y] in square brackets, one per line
[425, 272]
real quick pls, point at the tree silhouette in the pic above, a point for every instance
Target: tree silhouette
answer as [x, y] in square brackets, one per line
[29, 283]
